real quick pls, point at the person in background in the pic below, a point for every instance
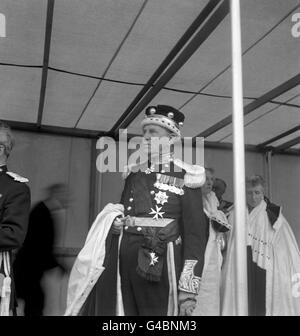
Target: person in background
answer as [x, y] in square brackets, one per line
[273, 259]
[219, 188]
[14, 213]
[208, 299]
[37, 253]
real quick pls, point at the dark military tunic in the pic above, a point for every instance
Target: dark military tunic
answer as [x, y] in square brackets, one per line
[145, 289]
[14, 213]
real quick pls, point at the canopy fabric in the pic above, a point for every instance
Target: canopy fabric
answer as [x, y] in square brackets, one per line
[102, 53]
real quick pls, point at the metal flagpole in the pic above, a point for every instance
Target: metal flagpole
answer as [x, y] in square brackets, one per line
[239, 162]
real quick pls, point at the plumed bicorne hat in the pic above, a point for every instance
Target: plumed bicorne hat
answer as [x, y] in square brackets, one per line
[164, 116]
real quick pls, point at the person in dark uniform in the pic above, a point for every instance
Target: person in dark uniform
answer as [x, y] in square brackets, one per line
[163, 233]
[37, 253]
[219, 188]
[14, 213]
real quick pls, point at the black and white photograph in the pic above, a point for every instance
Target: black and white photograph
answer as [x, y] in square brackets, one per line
[149, 161]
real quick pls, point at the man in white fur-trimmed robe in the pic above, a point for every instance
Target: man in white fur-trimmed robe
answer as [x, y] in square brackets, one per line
[145, 256]
[273, 259]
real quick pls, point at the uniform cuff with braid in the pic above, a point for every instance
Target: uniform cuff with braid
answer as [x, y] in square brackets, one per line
[188, 281]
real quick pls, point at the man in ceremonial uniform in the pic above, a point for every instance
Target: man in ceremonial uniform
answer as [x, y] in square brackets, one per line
[14, 211]
[161, 233]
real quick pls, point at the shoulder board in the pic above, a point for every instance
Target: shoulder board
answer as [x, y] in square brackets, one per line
[17, 177]
[194, 174]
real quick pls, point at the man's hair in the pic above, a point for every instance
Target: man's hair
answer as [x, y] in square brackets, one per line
[255, 180]
[10, 141]
[217, 179]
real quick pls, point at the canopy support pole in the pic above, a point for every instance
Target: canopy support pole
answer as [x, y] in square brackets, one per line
[239, 162]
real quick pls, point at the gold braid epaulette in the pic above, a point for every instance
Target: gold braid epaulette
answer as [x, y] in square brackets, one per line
[17, 177]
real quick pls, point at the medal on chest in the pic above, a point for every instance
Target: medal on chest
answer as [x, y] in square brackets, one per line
[169, 183]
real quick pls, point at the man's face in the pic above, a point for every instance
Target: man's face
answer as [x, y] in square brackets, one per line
[151, 131]
[219, 188]
[3, 140]
[156, 132]
[209, 182]
[254, 195]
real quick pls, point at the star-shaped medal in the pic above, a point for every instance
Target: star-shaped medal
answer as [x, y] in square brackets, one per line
[156, 212]
[154, 258]
[161, 197]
